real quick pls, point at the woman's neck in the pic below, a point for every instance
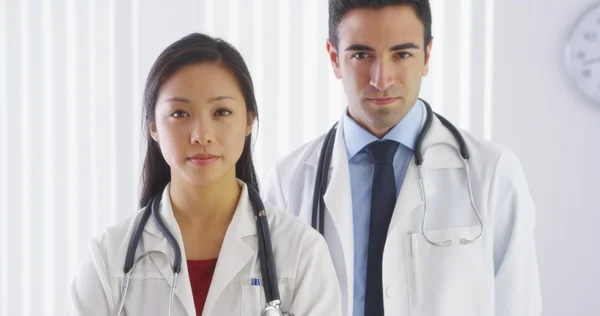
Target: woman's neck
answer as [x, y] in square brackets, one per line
[205, 205]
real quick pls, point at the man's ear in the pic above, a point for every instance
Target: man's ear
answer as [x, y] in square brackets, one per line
[427, 56]
[333, 58]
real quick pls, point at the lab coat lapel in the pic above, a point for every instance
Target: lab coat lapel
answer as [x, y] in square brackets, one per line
[158, 242]
[338, 202]
[410, 193]
[234, 255]
[235, 251]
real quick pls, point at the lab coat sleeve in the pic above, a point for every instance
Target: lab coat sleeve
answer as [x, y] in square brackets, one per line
[272, 191]
[90, 289]
[517, 286]
[316, 291]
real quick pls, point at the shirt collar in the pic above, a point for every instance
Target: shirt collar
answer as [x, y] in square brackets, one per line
[404, 132]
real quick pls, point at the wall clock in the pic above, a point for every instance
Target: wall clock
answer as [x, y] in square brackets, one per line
[582, 53]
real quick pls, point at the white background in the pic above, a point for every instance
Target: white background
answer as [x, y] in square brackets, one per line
[71, 81]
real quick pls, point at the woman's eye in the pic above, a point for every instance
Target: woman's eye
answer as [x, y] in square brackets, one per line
[223, 112]
[179, 113]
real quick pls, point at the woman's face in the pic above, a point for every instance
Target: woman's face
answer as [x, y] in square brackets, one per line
[201, 123]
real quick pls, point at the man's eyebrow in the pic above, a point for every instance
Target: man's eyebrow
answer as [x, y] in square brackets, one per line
[404, 46]
[366, 48]
[360, 47]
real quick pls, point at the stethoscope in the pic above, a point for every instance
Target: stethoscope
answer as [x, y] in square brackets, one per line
[321, 180]
[265, 253]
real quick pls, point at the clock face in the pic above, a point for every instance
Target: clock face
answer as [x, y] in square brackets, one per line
[582, 54]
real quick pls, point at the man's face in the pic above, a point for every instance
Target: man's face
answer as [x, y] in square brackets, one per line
[381, 59]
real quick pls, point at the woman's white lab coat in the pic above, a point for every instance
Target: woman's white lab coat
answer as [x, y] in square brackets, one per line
[305, 273]
[497, 276]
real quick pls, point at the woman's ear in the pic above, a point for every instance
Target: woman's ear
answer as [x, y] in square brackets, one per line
[153, 131]
[250, 123]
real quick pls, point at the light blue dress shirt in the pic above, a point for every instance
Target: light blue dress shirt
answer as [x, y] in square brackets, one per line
[361, 167]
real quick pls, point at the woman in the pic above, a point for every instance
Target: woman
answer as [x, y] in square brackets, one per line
[199, 110]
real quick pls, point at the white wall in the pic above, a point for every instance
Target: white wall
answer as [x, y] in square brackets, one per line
[556, 133]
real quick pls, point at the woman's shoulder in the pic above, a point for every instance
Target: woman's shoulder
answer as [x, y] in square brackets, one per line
[291, 233]
[115, 237]
[122, 227]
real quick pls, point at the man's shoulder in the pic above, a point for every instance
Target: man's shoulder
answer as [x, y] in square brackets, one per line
[299, 156]
[282, 185]
[481, 146]
[491, 155]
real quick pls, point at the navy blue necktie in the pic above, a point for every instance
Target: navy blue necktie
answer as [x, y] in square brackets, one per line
[383, 200]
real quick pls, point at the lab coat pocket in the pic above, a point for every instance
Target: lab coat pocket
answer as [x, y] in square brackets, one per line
[446, 281]
[253, 299]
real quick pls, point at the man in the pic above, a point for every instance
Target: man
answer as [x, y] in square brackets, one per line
[456, 243]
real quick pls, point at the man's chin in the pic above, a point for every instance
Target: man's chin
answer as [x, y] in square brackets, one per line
[385, 117]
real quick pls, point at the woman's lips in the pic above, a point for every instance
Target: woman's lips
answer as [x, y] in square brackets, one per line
[203, 159]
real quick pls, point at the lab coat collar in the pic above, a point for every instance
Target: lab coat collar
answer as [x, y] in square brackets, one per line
[235, 251]
[404, 132]
[440, 157]
[437, 134]
[243, 215]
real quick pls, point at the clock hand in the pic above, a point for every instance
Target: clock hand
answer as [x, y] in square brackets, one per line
[593, 61]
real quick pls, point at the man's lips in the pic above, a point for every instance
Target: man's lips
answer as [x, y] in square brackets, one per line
[382, 101]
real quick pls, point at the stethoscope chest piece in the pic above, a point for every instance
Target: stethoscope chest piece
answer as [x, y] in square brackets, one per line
[273, 309]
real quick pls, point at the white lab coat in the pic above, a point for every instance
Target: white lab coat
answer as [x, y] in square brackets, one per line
[496, 276]
[305, 272]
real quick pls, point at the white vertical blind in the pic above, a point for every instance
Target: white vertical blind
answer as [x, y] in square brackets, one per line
[3, 165]
[72, 74]
[47, 139]
[26, 188]
[488, 66]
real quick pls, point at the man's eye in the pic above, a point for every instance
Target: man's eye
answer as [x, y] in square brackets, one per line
[404, 55]
[360, 55]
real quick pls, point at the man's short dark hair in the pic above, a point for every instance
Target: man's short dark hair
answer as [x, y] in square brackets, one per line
[338, 8]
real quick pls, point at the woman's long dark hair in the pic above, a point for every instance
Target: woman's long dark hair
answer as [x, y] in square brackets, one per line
[192, 49]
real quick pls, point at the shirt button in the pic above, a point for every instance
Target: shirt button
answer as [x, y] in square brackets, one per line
[391, 291]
